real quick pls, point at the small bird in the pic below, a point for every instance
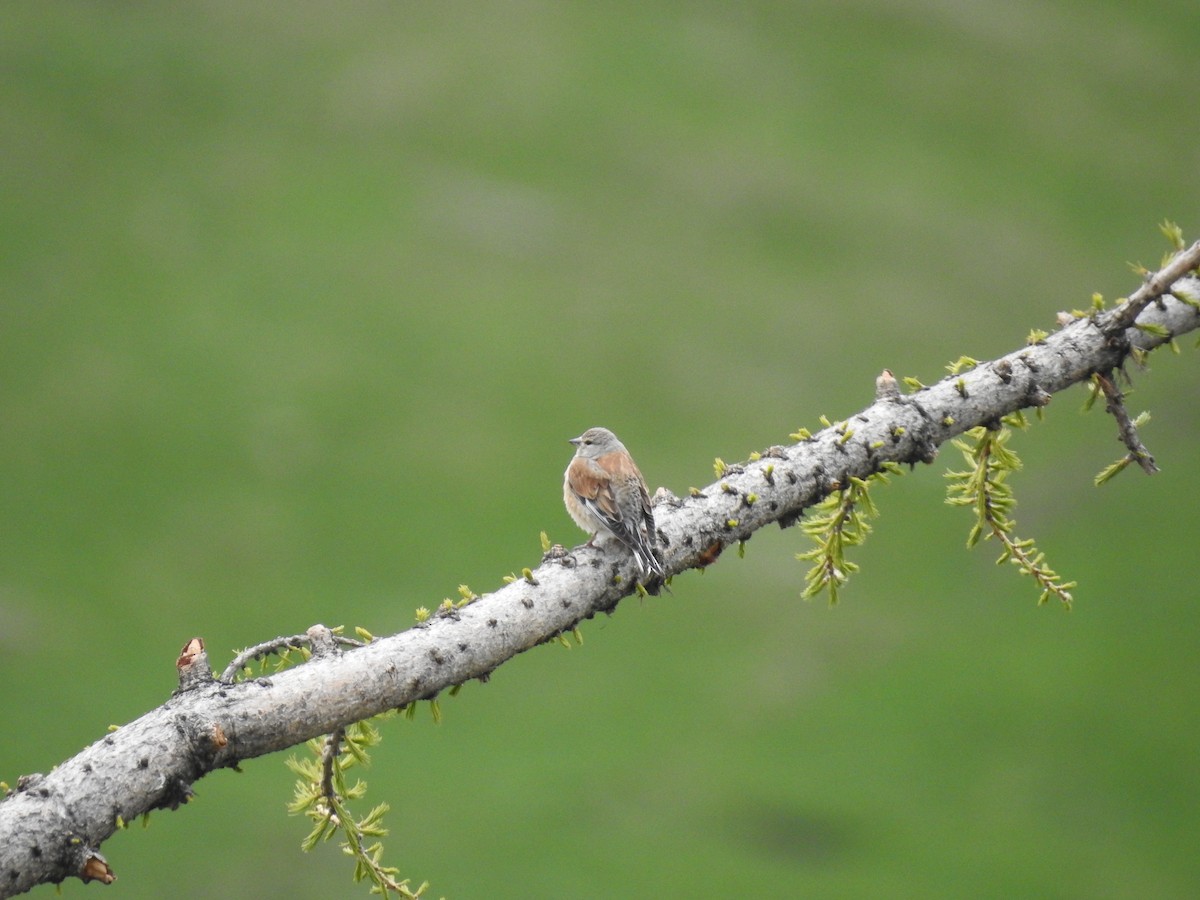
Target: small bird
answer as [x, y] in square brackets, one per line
[605, 492]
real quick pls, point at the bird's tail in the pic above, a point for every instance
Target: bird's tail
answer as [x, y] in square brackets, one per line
[647, 562]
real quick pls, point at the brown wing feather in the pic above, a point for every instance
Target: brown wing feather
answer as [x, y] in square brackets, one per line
[593, 484]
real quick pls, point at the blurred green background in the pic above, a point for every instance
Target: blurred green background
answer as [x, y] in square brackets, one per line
[300, 304]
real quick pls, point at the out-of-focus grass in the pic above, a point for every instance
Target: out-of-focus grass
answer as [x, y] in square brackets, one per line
[299, 309]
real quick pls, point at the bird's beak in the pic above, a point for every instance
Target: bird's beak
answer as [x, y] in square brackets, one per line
[574, 440]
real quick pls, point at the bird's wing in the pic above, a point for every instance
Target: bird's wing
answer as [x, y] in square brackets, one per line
[594, 487]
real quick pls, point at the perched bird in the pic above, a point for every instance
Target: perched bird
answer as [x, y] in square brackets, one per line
[605, 493]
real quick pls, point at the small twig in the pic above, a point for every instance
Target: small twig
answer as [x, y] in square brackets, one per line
[1154, 287]
[259, 651]
[1126, 427]
[333, 746]
[278, 645]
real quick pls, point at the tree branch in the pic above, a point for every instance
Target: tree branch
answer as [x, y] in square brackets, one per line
[51, 826]
[1126, 427]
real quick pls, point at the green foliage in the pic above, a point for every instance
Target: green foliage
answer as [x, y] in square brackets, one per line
[323, 789]
[983, 485]
[1109, 472]
[1153, 329]
[1094, 393]
[283, 660]
[1173, 233]
[837, 522]
[1178, 294]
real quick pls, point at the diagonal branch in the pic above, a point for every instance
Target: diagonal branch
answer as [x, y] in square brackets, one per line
[52, 826]
[1155, 286]
[1126, 427]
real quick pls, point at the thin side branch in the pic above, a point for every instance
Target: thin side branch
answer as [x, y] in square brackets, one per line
[320, 640]
[333, 746]
[1126, 427]
[1155, 287]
